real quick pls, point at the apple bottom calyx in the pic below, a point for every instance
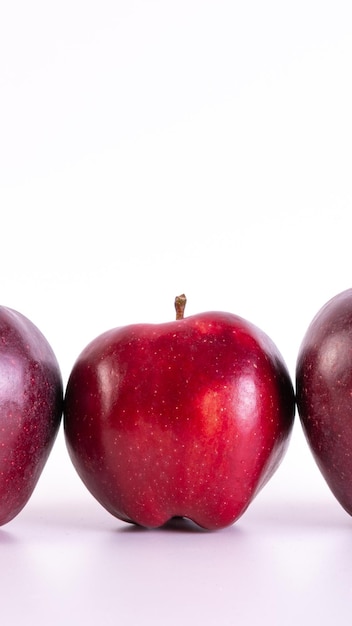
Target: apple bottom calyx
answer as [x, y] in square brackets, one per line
[184, 419]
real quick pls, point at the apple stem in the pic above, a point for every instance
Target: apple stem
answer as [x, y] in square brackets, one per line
[180, 304]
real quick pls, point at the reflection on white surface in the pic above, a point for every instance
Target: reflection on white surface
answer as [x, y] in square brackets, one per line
[273, 567]
[286, 561]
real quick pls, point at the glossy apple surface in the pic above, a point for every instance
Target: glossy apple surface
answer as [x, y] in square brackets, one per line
[324, 393]
[188, 418]
[30, 409]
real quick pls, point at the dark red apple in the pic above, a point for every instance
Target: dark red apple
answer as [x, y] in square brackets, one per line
[324, 393]
[31, 398]
[183, 419]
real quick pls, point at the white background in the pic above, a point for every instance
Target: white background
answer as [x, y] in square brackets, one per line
[150, 148]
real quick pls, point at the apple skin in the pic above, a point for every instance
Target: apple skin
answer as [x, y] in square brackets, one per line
[188, 418]
[324, 393]
[31, 404]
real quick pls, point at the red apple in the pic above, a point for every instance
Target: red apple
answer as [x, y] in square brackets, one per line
[324, 393]
[182, 419]
[30, 409]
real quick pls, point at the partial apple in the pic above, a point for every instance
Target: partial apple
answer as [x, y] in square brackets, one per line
[324, 393]
[31, 399]
[188, 418]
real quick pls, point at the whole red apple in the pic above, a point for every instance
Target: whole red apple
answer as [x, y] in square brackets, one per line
[324, 393]
[31, 397]
[183, 419]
